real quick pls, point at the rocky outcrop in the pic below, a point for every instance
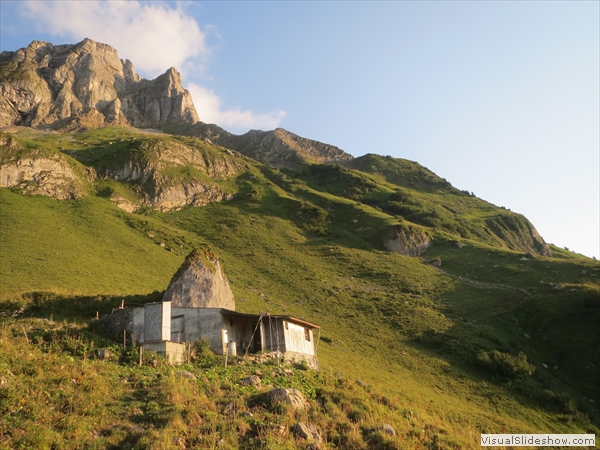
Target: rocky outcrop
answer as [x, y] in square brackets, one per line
[200, 283]
[292, 397]
[166, 198]
[124, 203]
[278, 148]
[537, 243]
[409, 242]
[86, 85]
[37, 171]
[306, 431]
[163, 168]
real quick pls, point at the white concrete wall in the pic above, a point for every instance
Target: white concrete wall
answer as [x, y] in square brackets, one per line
[202, 323]
[208, 323]
[157, 321]
[166, 321]
[174, 352]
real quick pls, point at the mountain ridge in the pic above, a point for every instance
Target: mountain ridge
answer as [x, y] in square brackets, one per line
[279, 148]
[85, 85]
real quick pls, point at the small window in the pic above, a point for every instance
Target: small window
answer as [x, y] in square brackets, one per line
[307, 334]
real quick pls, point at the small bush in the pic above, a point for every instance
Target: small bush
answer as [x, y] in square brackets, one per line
[202, 347]
[311, 217]
[564, 402]
[381, 441]
[506, 365]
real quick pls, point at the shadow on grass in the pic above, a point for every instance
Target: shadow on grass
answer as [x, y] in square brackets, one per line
[74, 308]
[130, 440]
[482, 359]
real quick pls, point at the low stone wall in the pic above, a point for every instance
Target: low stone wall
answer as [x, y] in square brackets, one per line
[289, 357]
[310, 360]
[119, 320]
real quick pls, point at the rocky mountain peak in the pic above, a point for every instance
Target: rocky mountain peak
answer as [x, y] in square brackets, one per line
[129, 72]
[86, 85]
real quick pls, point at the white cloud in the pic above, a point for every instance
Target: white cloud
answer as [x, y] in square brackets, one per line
[154, 36]
[208, 105]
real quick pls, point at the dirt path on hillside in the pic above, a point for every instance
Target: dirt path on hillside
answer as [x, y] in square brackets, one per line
[479, 284]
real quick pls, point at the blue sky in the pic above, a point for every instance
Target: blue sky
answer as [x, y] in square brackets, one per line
[499, 98]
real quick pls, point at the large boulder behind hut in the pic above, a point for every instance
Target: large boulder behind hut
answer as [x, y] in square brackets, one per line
[200, 283]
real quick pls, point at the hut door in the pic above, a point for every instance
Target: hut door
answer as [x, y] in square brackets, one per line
[177, 331]
[225, 340]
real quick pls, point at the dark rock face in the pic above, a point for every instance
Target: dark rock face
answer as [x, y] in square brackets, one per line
[200, 283]
[86, 85]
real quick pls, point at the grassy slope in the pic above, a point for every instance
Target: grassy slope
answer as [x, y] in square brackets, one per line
[77, 247]
[412, 331]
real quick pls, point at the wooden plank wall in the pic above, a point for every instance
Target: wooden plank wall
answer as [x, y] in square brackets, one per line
[295, 339]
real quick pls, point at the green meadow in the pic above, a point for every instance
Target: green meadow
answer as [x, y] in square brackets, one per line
[495, 339]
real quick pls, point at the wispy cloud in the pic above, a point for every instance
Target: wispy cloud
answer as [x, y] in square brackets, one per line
[209, 108]
[154, 36]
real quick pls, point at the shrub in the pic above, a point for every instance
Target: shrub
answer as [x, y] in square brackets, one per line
[379, 440]
[202, 347]
[506, 365]
[591, 298]
[311, 217]
[563, 401]
[301, 365]
[357, 414]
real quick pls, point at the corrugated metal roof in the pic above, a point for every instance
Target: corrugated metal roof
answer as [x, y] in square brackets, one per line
[274, 316]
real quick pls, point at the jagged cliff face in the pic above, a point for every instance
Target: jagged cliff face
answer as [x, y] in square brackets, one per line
[148, 167]
[36, 171]
[86, 85]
